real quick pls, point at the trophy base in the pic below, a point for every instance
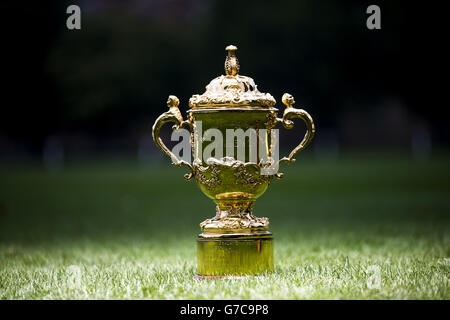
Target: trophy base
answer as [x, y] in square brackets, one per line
[221, 255]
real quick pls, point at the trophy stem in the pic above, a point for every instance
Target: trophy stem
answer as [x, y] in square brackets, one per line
[234, 215]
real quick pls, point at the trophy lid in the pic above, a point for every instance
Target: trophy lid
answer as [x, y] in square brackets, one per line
[232, 90]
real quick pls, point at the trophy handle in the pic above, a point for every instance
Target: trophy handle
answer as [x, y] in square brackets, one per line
[291, 113]
[173, 115]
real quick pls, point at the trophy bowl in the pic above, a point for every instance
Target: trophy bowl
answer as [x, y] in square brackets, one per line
[234, 145]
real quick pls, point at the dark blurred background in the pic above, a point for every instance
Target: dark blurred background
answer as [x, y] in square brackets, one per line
[71, 94]
[83, 184]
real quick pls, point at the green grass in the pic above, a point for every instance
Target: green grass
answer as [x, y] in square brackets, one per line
[358, 228]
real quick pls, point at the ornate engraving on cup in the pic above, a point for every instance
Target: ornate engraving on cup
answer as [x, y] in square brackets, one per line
[208, 176]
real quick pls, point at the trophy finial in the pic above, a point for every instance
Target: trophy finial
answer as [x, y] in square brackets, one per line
[231, 62]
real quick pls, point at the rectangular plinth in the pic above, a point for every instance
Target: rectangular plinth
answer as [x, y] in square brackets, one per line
[234, 256]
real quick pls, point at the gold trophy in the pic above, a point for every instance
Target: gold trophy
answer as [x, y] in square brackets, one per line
[234, 242]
